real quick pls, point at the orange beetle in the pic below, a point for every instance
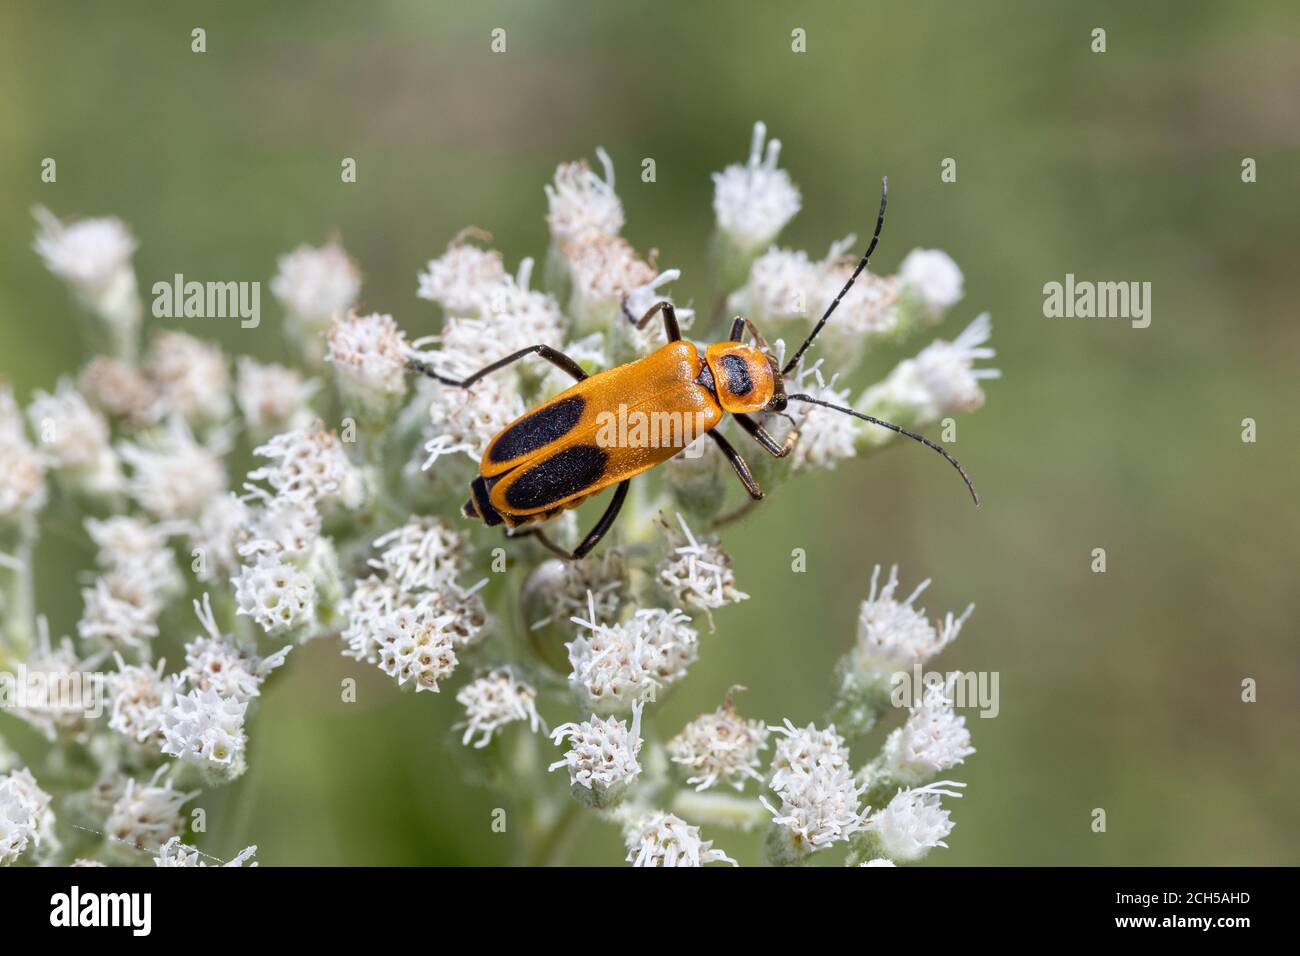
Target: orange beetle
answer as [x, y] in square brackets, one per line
[610, 427]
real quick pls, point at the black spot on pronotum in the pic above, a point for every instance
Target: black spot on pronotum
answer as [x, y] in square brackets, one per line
[537, 430]
[738, 380]
[560, 476]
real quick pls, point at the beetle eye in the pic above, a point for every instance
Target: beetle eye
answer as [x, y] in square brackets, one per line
[777, 404]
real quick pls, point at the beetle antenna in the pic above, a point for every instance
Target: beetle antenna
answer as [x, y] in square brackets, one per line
[902, 431]
[871, 247]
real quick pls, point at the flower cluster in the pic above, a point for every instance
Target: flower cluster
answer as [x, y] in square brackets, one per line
[617, 665]
[346, 532]
[820, 802]
[893, 637]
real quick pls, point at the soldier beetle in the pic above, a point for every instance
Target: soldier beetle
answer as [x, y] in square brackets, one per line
[554, 457]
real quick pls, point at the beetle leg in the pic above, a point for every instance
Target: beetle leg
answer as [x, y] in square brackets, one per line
[593, 536]
[738, 463]
[606, 521]
[554, 356]
[764, 437]
[740, 325]
[545, 541]
[671, 328]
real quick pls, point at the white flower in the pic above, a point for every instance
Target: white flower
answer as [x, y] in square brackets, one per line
[820, 803]
[721, 747]
[371, 601]
[191, 377]
[640, 300]
[120, 390]
[947, 372]
[754, 202]
[662, 839]
[310, 463]
[214, 538]
[698, 573]
[50, 669]
[416, 644]
[597, 583]
[466, 419]
[147, 815]
[870, 307]
[878, 861]
[176, 853]
[214, 662]
[520, 316]
[25, 817]
[602, 756]
[893, 635]
[462, 277]
[620, 664]
[932, 740]
[826, 436]
[931, 275]
[74, 438]
[203, 728]
[604, 270]
[135, 555]
[493, 701]
[314, 285]
[140, 694]
[173, 476]
[423, 554]
[510, 317]
[22, 469]
[273, 398]
[368, 353]
[581, 205]
[277, 595]
[87, 252]
[284, 526]
[94, 257]
[780, 287]
[468, 615]
[461, 615]
[914, 822]
[784, 285]
[941, 380]
[118, 618]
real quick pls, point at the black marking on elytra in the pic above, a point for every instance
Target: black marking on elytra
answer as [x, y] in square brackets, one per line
[559, 476]
[547, 424]
[481, 503]
[738, 380]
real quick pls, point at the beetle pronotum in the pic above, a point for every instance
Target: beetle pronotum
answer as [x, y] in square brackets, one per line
[552, 458]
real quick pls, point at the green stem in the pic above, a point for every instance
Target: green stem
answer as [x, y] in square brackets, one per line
[550, 850]
[19, 590]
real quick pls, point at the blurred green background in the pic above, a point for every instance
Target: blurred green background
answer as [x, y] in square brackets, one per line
[1118, 690]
